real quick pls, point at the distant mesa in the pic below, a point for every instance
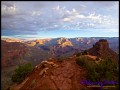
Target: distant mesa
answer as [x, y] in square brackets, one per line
[64, 42]
[11, 40]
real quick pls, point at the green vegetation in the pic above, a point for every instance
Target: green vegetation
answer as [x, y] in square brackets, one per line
[32, 83]
[105, 70]
[82, 53]
[97, 59]
[85, 52]
[78, 54]
[61, 59]
[85, 61]
[21, 72]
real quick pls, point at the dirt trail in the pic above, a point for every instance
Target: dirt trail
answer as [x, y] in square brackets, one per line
[66, 76]
[93, 57]
[18, 86]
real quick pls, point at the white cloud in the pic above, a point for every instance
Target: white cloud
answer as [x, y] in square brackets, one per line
[80, 16]
[66, 19]
[92, 20]
[72, 17]
[56, 25]
[74, 10]
[57, 8]
[35, 13]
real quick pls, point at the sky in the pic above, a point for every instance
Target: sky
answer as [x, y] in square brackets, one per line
[53, 19]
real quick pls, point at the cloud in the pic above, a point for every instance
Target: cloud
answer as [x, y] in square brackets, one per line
[8, 9]
[105, 3]
[90, 21]
[35, 13]
[33, 17]
[8, 4]
[66, 19]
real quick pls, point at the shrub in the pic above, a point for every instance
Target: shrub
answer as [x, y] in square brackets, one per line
[97, 59]
[81, 61]
[21, 72]
[32, 83]
[85, 61]
[85, 52]
[60, 59]
[107, 69]
[78, 54]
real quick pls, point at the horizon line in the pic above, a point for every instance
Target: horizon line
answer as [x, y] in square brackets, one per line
[2, 37]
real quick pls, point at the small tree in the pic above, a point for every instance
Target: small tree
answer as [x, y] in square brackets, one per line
[97, 59]
[86, 52]
[61, 59]
[78, 54]
[21, 72]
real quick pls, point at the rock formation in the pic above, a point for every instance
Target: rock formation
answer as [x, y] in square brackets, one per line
[66, 76]
[101, 49]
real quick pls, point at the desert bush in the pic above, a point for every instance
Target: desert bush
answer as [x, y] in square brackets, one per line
[85, 52]
[97, 59]
[107, 69]
[81, 61]
[21, 72]
[61, 59]
[32, 83]
[85, 62]
[78, 54]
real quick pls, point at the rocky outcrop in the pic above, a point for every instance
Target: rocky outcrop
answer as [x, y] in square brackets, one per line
[64, 75]
[101, 49]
